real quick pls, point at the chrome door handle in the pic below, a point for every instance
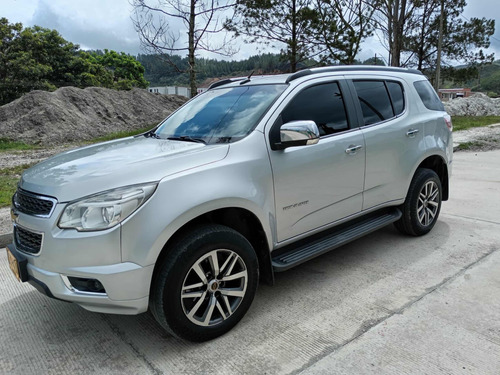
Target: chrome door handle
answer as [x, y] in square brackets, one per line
[352, 149]
[411, 132]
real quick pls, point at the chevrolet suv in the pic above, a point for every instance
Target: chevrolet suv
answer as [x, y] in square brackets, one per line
[254, 176]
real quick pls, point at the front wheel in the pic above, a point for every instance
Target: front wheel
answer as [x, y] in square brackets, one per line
[206, 283]
[422, 205]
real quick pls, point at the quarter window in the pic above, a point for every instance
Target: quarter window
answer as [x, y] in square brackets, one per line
[428, 96]
[322, 104]
[397, 98]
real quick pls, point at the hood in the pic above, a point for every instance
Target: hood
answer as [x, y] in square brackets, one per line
[89, 170]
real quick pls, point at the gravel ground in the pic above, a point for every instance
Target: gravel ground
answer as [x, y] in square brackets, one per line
[20, 157]
[476, 139]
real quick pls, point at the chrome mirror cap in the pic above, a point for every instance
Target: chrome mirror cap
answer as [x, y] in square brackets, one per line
[298, 133]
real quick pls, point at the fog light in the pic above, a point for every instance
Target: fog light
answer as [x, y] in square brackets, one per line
[86, 285]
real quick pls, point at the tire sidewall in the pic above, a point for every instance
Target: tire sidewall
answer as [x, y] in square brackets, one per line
[175, 268]
[423, 177]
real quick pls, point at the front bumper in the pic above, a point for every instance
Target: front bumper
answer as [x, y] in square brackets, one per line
[126, 285]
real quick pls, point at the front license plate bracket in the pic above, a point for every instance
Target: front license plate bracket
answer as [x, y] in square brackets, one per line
[17, 263]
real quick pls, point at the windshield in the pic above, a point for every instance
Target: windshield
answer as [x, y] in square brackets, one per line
[221, 115]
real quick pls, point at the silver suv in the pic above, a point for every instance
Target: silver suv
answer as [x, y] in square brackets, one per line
[252, 177]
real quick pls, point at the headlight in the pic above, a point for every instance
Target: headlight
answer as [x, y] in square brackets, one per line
[106, 209]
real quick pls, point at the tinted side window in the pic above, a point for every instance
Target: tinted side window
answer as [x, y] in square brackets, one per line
[322, 104]
[374, 100]
[428, 95]
[397, 97]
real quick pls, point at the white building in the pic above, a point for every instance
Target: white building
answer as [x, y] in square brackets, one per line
[175, 90]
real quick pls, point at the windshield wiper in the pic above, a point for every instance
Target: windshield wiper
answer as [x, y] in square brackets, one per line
[187, 138]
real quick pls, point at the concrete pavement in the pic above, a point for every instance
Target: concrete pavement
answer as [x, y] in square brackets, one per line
[385, 304]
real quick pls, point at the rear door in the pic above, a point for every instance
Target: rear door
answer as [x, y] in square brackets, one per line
[318, 184]
[393, 141]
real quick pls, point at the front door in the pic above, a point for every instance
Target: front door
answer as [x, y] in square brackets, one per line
[318, 184]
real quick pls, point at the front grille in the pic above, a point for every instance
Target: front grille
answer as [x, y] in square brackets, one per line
[27, 241]
[32, 204]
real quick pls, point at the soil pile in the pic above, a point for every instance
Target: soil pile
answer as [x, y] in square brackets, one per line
[477, 104]
[72, 114]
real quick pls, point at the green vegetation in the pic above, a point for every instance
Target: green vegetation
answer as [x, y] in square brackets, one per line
[466, 122]
[36, 58]
[8, 186]
[10, 176]
[8, 145]
[123, 134]
[482, 77]
[467, 146]
[8, 182]
[160, 72]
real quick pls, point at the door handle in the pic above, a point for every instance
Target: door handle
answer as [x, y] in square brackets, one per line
[411, 133]
[352, 149]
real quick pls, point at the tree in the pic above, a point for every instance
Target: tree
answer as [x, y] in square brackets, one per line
[276, 23]
[156, 20]
[411, 27]
[394, 18]
[20, 71]
[341, 27]
[127, 72]
[463, 40]
[50, 50]
[36, 58]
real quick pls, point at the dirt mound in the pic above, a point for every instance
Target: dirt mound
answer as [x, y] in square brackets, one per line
[72, 114]
[475, 105]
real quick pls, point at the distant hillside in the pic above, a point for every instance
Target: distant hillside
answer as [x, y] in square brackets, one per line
[160, 73]
[488, 80]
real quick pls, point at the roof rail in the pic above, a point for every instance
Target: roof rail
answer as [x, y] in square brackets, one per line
[347, 68]
[225, 82]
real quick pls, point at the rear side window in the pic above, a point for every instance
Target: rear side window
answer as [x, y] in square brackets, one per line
[397, 97]
[322, 104]
[428, 96]
[375, 100]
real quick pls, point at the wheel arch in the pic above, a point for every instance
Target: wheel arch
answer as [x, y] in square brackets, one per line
[243, 221]
[438, 165]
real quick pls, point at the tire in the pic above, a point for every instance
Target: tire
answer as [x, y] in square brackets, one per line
[422, 205]
[189, 299]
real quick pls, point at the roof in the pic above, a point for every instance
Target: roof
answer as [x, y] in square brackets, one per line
[287, 78]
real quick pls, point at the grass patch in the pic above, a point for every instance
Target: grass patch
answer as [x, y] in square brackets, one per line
[467, 122]
[8, 185]
[123, 134]
[9, 178]
[8, 145]
[466, 146]
[15, 171]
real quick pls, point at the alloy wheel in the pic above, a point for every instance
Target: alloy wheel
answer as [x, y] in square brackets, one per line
[214, 287]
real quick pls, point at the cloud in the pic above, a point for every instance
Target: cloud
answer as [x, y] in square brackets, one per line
[105, 24]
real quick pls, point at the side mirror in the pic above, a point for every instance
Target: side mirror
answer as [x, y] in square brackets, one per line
[297, 133]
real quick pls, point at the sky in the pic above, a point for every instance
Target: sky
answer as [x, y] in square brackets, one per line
[100, 24]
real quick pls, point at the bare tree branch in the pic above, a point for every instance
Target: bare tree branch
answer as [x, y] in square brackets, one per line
[155, 20]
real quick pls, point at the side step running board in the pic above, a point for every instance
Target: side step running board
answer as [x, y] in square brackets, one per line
[301, 254]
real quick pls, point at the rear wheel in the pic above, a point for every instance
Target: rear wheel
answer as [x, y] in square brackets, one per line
[206, 283]
[422, 205]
